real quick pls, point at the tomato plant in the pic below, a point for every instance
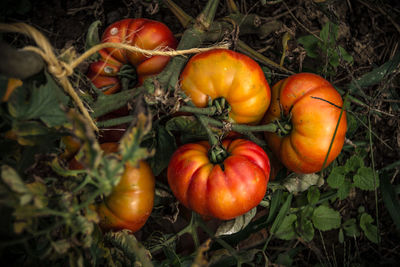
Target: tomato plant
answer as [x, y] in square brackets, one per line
[142, 33]
[131, 200]
[227, 74]
[313, 107]
[223, 190]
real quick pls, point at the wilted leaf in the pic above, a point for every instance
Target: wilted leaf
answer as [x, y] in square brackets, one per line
[188, 126]
[128, 243]
[370, 230]
[301, 182]
[92, 36]
[61, 246]
[12, 179]
[365, 180]
[236, 224]
[325, 218]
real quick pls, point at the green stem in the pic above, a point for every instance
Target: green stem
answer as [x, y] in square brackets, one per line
[206, 17]
[210, 111]
[181, 15]
[116, 121]
[244, 48]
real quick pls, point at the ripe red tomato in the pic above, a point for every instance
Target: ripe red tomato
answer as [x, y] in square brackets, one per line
[224, 190]
[313, 106]
[231, 75]
[131, 201]
[143, 33]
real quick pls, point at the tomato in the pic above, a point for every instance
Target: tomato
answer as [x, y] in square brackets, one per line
[143, 33]
[225, 190]
[237, 78]
[313, 106]
[131, 201]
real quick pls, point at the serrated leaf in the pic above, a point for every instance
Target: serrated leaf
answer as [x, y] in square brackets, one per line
[325, 218]
[370, 230]
[305, 229]
[350, 228]
[286, 230]
[309, 43]
[313, 195]
[13, 180]
[236, 224]
[364, 179]
[345, 55]
[301, 182]
[44, 103]
[354, 163]
[328, 33]
[344, 190]
[336, 177]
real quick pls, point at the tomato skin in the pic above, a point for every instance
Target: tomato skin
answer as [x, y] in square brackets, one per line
[306, 97]
[143, 33]
[212, 191]
[234, 76]
[131, 201]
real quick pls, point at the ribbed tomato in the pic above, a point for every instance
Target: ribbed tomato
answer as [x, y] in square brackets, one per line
[222, 190]
[143, 33]
[313, 107]
[236, 77]
[131, 201]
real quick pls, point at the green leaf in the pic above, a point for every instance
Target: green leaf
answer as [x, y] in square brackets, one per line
[325, 218]
[375, 76]
[328, 33]
[309, 43]
[286, 230]
[128, 243]
[164, 146]
[44, 102]
[92, 36]
[313, 195]
[364, 179]
[345, 55]
[305, 229]
[341, 236]
[276, 200]
[370, 230]
[333, 58]
[344, 190]
[390, 199]
[237, 224]
[282, 214]
[188, 127]
[350, 228]
[284, 259]
[13, 180]
[354, 163]
[336, 177]
[301, 182]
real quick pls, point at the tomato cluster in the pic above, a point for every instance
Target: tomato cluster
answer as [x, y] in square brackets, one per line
[305, 107]
[142, 33]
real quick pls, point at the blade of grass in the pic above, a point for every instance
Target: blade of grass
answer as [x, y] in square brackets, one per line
[390, 199]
